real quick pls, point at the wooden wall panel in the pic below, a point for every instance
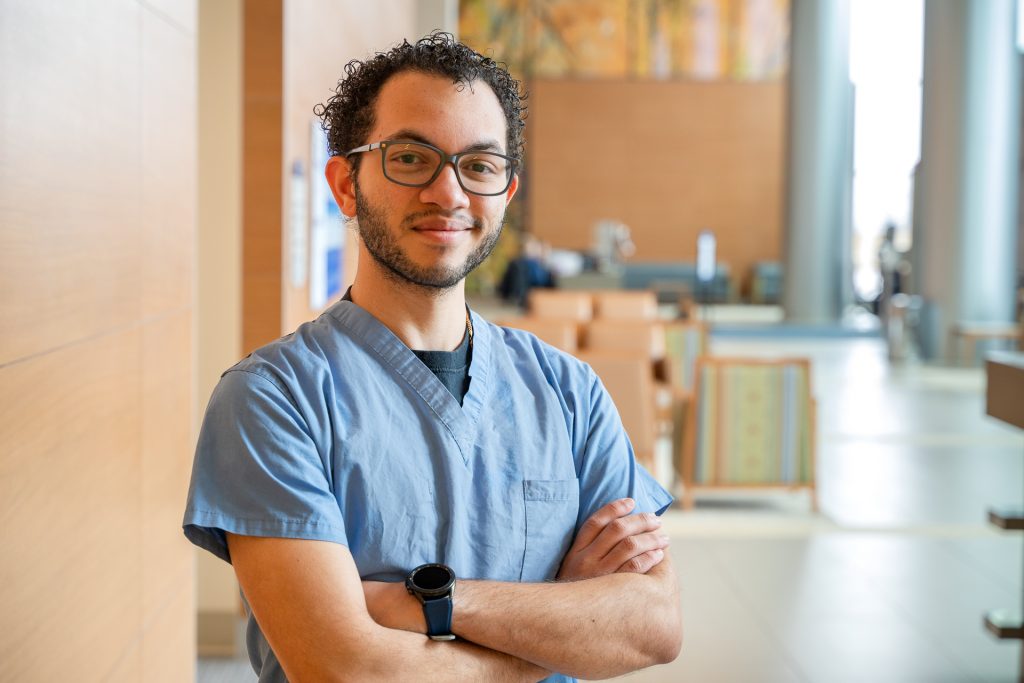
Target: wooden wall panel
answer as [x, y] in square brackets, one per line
[168, 167]
[129, 667]
[166, 457]
[169, 192]
[261, 184]
[69, 509]
[69, 158]
[667, 158]
[168, 650]
[97, 226]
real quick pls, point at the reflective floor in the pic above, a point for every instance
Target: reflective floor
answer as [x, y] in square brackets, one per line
[890, 581]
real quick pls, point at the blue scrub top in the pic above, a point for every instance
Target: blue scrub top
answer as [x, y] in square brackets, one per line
[339, 433]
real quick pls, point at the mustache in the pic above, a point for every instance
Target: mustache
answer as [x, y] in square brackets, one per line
[447, 215]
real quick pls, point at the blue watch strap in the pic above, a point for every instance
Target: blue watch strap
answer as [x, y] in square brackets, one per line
[438, 613]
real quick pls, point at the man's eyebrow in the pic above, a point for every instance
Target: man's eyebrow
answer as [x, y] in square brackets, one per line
[486, 146]
[409, 135]
[480, 146]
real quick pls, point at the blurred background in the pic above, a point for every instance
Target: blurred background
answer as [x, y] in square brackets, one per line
[785, 233]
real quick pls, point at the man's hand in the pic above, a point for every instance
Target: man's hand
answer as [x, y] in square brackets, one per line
[306, 596]
[612, 540]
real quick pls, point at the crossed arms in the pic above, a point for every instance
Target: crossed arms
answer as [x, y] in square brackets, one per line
[614, 609]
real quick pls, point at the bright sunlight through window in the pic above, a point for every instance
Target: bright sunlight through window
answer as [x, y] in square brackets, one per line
[886, 52]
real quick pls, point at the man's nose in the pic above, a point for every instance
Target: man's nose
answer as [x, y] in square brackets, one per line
[445, 191]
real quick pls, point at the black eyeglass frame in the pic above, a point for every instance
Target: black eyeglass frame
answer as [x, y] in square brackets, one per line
[446, 158]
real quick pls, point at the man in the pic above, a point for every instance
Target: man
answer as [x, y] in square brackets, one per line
[398, 430]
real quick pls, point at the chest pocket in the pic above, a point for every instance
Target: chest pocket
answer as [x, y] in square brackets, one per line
[551, 511]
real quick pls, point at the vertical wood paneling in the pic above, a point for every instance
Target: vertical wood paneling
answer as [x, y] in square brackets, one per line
[69, 510]
[97, 227]
[128, 668]
[69, 180]
[168, 166]
[166, 457]
[262, 182]
[169, 139]
[168, 650]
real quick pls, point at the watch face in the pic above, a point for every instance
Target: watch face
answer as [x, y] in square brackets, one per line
[433, 578]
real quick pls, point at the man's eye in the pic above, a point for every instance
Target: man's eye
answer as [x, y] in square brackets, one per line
[407, 158]
[480, 167]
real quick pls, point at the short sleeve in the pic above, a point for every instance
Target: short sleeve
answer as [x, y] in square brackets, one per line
[608, 469]
[257, 470]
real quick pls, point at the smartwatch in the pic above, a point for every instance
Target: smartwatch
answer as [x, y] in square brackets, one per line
[433, 585]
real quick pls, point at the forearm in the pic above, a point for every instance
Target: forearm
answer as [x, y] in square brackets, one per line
[594, 628]
[355, 648]
[307, 599]
[390, 654]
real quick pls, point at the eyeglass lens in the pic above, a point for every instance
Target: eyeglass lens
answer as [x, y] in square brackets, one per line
[410, 163]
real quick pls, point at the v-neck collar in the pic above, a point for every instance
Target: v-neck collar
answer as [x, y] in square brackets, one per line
[460, 421]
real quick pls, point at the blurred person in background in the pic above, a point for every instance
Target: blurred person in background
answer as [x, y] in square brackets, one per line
[526, 271]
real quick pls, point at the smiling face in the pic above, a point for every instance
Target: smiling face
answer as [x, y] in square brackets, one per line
[430, 236]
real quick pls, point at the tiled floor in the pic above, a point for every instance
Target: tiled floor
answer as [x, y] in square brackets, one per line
[890, 581]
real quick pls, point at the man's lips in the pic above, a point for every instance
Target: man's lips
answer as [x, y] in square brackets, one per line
[441, 226]
[442, 231]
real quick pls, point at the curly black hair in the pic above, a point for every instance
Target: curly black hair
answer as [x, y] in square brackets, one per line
[347, 117]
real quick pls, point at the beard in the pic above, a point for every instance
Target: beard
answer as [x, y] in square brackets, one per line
[383, 247]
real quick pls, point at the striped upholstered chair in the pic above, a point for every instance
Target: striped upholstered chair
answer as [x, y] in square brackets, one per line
[752, 425]
[685, 342]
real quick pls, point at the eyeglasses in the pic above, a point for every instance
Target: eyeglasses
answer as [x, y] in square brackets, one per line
[416, 164]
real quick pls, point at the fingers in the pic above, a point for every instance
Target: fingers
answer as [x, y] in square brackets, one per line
[597, 522]
[643, 563]
[613, 540]
[638, 550]
[618, 530]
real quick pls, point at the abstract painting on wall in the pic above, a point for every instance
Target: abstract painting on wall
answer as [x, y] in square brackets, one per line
[745, 40]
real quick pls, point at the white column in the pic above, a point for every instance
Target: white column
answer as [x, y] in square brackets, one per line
[965, 233]
[820, 162]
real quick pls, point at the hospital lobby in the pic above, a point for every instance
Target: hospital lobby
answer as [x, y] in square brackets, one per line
[786, 235]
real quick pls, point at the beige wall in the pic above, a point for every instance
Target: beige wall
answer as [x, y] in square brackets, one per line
[97, 231]
[667, 158]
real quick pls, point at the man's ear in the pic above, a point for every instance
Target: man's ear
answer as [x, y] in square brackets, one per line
[511, 192]
[339, 177]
